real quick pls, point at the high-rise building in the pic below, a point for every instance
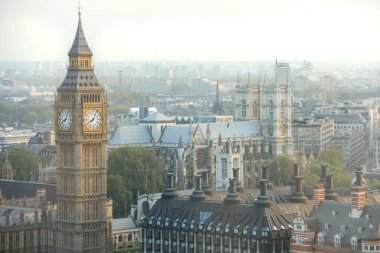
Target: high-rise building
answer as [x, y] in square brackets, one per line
[81, 142]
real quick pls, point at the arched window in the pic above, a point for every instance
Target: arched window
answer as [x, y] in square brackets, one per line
[337, 241]
[354, 243]
[271, 109]
[321, 239]
[282, 109]
[254, 109]
[129, 237]
[243, 108]
[120, 238]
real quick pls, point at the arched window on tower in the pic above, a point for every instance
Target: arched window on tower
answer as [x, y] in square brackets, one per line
[271, 109]
[243, 108]
[254, 109]
[282, 109]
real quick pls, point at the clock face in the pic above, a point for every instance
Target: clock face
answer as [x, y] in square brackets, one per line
[93, 119]
[283, 131]
[64, 119]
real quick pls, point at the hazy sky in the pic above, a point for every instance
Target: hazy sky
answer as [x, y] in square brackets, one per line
[193, 29]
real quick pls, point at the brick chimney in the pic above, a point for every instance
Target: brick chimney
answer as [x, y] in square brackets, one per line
[318, 195]
[358, 194]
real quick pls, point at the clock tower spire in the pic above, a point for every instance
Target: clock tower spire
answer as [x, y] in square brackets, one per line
[81, 142]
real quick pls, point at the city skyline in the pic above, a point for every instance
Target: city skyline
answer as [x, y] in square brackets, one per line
[193, 30]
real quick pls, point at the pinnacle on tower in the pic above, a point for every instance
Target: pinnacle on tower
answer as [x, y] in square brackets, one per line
[80, 46]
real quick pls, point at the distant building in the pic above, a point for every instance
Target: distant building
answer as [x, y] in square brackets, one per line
[352, 145]
[315, 135]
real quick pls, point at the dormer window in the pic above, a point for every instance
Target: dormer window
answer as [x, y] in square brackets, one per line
[337, 241]
[333, 213]
[354, 243]
[327, 226]
[321, 239]
[343, 228]
[360, 230]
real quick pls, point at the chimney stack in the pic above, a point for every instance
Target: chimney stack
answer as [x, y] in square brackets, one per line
[324, 173]
[298, 195]
[330, 192]
[232, 197]
[358, 194]
[169, 192]
[198, 192]
[318, 195]
[235, 172]
[263, 200]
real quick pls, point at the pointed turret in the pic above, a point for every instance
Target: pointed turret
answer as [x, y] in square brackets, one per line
[220, 140]
[80, 71]
[180, 142]
[80, 45]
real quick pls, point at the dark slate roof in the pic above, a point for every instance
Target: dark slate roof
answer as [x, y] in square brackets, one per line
[80, 79]
[19, 189]
[341, 118]
[218, 217]
[80, 46]
[123, 224]
[337, 217]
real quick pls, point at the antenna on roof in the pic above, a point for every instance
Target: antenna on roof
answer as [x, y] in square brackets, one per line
[79, 8]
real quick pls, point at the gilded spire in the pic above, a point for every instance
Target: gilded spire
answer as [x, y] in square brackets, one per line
[80, 46]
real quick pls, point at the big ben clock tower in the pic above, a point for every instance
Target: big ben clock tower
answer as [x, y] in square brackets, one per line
[81, 141]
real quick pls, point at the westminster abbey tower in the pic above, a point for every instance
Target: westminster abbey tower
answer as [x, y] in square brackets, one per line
[81, 141]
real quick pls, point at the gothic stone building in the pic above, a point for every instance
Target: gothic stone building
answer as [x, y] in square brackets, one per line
[81, 144]
[261, 130]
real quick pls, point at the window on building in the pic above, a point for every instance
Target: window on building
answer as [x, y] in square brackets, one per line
[120, 238]
[337, 241]
[129, 237]
[321, 239]
[243, 108]
[354, 243]
[254, 109]
[282, 112]
[224, 168]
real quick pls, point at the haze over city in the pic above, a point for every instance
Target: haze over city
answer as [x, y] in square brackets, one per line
[193, 30]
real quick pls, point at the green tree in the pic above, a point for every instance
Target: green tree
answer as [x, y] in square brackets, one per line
[334, 159]
[374, 184]
[117, 189]
[281, 170]
[24, 163]
[139, 168]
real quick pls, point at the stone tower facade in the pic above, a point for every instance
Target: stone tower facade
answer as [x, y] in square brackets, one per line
[268, 103]
[81, 142]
